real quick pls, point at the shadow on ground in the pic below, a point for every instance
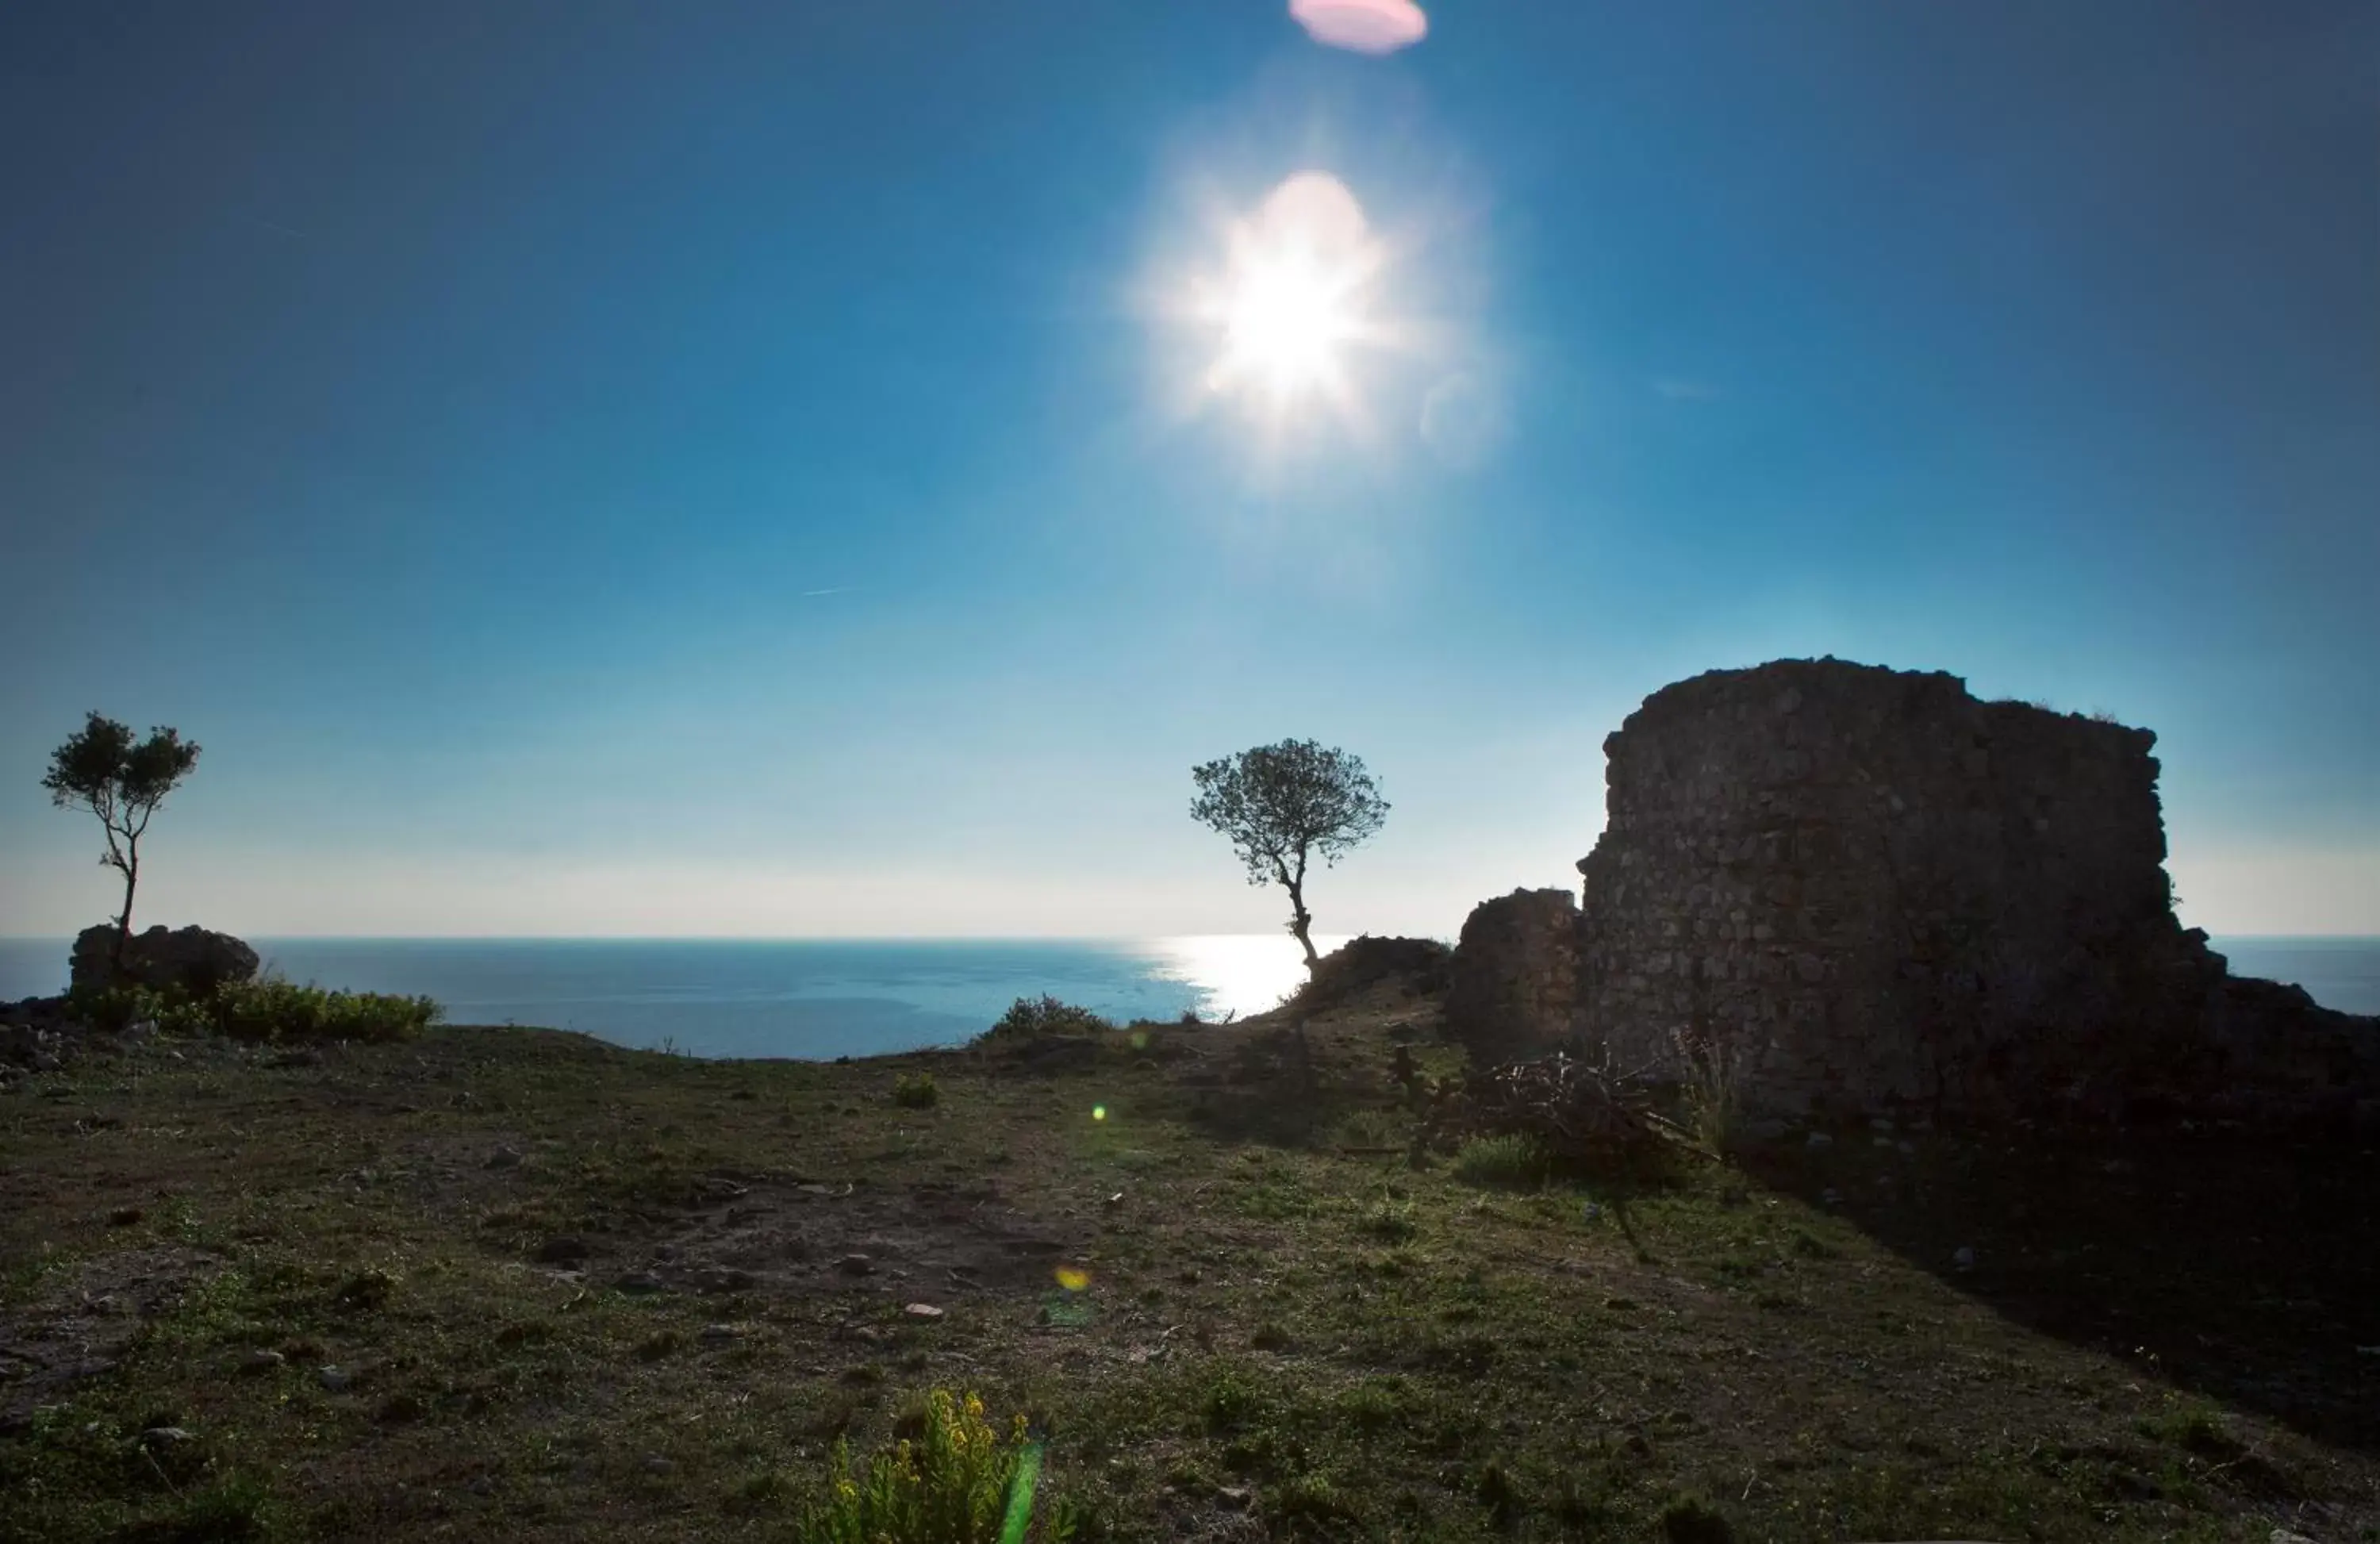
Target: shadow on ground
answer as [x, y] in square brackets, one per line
[2243, 1268]
[1275, 1086]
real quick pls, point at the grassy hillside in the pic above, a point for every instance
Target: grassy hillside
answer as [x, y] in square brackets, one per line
[499, 1282]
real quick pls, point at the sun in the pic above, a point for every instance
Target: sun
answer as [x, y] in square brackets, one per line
[1295, 296]
[1285, 319]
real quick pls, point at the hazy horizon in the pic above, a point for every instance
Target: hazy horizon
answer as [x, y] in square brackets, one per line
[831, 471]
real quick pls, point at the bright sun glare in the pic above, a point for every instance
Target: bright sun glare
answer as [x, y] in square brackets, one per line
[1294, 296]
[1284, 319]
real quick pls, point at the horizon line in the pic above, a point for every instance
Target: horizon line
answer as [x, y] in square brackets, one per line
[918, 938]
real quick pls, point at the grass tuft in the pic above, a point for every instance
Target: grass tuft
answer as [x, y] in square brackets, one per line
[1516, 1160]
[1390, 1221]
[950, 1484]
[1713, 1090]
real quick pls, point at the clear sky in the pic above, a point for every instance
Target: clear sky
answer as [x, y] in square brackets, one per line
[705, 469]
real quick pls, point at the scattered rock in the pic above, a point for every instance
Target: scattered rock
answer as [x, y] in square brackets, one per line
[304, 1056]
[1820, 1141]
[1830, 1197]
[1965, 1260]
[562, 1249]
[922, 1310]
[855, 1265]
[656, 1464]
[721, 1335]
[163, 1436]
[505, 1157]
[124, 1216]
[720, 1278]
[640, 1281]
[1238, 1496]
[335, 1380]
[261, 1361]
[2285, 1536]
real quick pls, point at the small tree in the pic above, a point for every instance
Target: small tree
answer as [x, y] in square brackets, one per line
[103, 770]
[1283, 805]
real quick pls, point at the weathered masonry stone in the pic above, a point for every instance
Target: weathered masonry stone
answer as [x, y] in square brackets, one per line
[1867, 887]
[1514, 986]
[1865, 882]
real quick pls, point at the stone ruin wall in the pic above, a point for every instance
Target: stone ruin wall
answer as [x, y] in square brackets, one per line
[1514, 984]
[1866, 888]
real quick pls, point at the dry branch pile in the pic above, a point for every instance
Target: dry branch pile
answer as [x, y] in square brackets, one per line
[1586, 1112]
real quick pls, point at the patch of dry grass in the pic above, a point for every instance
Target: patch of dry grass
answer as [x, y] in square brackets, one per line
[517, 1282]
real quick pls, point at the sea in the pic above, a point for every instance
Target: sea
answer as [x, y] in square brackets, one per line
[808, 998]
[822, 998]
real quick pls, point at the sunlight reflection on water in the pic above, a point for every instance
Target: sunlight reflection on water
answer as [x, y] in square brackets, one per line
[1241, 973]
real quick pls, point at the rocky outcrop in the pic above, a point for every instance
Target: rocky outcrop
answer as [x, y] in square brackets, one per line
[1864, 887]
[193, 959]
[1364, 960]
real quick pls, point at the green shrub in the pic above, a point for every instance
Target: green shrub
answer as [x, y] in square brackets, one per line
[1040, 1018]
[266, 1009]
[112, 1010]
[915, 1092]
[1515, 1160]
[273, 1010]
[950, 1484]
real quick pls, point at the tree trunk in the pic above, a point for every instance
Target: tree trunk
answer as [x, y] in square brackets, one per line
[124, 923]
[1300, 920]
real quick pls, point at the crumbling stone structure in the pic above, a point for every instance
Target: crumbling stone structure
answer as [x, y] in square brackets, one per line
[1513, 987]
[1860, 887]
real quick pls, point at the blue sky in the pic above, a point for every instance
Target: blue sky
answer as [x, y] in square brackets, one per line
[733, 470]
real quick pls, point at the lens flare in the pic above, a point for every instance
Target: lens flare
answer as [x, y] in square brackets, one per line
[1074, 1278]
[1361, 26]
[1098, 1111]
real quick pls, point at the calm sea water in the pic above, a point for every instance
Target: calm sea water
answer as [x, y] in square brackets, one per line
[806, 998]
[828, 998]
